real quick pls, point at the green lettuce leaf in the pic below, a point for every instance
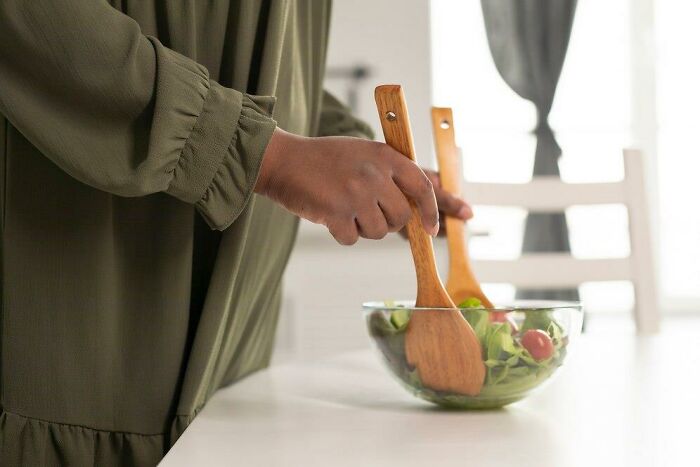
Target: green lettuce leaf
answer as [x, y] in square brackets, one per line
[471, 303]
[539, 319]
[400, 319]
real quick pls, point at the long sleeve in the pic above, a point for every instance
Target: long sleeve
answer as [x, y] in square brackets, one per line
[337, 120]
[120, 112]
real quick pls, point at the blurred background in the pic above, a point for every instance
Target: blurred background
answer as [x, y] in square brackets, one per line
[629, 79]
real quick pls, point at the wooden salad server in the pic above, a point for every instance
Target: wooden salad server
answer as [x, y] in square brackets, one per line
[461, 282]
[439, 343]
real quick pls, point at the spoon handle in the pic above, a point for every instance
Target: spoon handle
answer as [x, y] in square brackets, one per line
[393, 114]
[460, 276]
[451, 181]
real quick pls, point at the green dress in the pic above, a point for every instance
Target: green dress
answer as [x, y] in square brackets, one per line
[139, 271]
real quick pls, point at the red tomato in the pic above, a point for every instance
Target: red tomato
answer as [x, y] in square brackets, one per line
[538, 343]
[504, 317]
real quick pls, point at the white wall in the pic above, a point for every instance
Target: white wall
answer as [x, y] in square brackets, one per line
[393, 38]
[326, 283]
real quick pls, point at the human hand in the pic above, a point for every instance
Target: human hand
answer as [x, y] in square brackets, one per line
[357, 188]
[448, 204]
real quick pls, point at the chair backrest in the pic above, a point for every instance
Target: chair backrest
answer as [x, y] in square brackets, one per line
[561, 270]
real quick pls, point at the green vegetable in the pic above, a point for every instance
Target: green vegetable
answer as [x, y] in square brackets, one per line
[389, 341]
[379, 326]
[470, 303]
[539, 319]
[510, 369]
[479, 321]
[399, 318]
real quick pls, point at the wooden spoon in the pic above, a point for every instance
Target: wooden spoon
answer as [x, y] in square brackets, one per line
[461, 282]
[439, 343]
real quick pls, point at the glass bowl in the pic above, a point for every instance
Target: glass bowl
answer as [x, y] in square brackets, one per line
[522, 346]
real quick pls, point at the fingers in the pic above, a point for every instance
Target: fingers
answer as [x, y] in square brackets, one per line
[448, 203]
[376, 221]
[412, 181]
[372, 223]
[433, 176]
[395, 207]
[452, 205]
[344, 231]
[375, 191]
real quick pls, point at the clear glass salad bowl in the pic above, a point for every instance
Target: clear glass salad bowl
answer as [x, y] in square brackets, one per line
[522, 346]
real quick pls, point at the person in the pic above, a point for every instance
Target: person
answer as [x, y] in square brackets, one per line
[156, 155]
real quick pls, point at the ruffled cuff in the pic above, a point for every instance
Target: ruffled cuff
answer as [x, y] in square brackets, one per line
[219, 164]
[235, 179]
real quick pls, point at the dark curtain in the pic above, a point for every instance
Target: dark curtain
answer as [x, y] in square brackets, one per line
[528, 41]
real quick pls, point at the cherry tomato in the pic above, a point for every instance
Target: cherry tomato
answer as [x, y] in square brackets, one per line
[503, 317]
[538, 343]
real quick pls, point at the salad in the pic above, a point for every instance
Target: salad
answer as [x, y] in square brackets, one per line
[518, 356]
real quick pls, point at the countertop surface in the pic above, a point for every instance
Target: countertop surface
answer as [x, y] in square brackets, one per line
[619, 400]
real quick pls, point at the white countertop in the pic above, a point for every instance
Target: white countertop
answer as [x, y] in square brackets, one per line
[618, 401]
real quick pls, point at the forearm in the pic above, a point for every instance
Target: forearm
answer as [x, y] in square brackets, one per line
[122, 113]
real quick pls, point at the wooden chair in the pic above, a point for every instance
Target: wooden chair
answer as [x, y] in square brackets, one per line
[561, 270]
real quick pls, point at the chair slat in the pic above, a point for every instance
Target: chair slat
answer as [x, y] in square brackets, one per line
[545, 194]
[552, 270]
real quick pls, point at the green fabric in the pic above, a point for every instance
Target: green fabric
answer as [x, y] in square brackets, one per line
[336, 119]
[127, 132]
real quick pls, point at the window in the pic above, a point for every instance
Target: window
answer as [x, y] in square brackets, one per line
[678, 101]
[593, 118]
